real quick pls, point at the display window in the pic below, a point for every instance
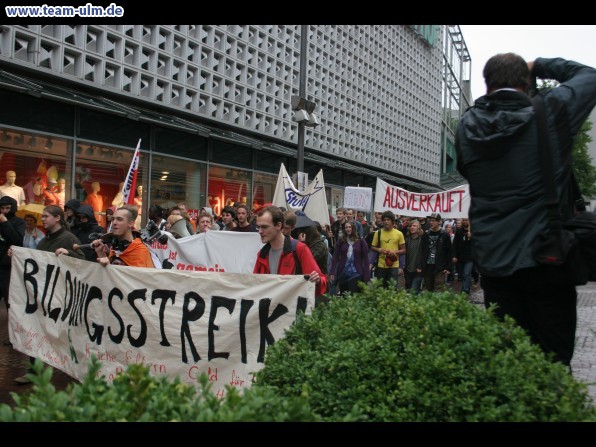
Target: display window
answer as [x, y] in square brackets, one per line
[175, 180]
[99, 177]
[263, 189]
[34, 170]
[227, 186]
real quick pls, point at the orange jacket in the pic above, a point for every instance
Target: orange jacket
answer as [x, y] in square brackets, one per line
[136, 255]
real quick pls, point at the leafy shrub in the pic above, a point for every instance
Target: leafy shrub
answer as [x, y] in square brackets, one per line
[135, 395]
[433, 357]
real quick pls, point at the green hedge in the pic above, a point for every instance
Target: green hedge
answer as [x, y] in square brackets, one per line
[392, 356]
[137, 396]
[374, 356]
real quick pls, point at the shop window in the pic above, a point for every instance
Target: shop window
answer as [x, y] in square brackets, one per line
[174, 180]
[99, 176]
[227, 187]
[39, 169]
[263, 189]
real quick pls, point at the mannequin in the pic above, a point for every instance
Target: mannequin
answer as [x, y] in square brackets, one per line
[138, 201]
[37, 190]
[49, 196]
[118, 202]
[10, 189]
[96, 202]
[60, 191]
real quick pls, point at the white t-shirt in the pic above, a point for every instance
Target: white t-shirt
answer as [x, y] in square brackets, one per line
[14, 191]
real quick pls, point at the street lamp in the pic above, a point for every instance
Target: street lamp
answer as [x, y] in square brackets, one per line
[303, 109]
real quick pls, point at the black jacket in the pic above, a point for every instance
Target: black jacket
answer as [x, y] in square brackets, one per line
[83, 230]
[462, 246]
[12, 231]
[444, 254]
[497, 153]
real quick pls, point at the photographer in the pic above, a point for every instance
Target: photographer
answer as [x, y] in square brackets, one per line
[126, 248]
[498, 154]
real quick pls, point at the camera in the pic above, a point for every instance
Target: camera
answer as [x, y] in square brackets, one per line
[152, 233]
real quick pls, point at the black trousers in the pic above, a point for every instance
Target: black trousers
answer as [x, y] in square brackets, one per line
[547, 311]
[4, 284]
[350, 286]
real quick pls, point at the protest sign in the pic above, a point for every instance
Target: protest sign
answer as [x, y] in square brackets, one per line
[64, 310]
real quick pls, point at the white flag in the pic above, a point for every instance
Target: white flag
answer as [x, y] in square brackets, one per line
[312, 201]
[131, 178]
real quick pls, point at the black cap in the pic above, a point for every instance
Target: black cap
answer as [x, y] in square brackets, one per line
[434, 216]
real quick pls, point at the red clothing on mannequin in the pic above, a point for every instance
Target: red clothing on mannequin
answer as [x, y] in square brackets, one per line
[96, 202]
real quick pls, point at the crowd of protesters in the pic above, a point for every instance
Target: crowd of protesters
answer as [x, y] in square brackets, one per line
[428, 253]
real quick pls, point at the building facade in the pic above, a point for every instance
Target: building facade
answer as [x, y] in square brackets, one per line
[211, 107]
[456, 98]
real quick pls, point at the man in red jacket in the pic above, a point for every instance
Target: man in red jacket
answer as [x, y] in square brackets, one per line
[277, 256]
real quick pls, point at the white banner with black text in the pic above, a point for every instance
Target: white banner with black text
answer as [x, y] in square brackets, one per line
[453, 203]
[178, 323]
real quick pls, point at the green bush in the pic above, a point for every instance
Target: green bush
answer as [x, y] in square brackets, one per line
[135, 395]
[392, 356]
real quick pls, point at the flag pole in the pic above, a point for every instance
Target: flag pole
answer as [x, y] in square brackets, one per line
[130, 181]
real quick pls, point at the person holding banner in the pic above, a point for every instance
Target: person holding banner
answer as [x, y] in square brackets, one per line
[389, 243]
[126, 249]
[86, 229]
[280, 256]
[58, 240]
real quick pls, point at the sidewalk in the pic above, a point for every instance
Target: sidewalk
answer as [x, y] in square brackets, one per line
[14, 364]
[584, 357]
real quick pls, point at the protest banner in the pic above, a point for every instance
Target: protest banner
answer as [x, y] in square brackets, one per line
[453, 203]
[357, 198]
[312, 201]
[213, 251]
[181, 324]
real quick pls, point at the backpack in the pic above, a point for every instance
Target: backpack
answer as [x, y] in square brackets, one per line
[373, 256]
[298, 268]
